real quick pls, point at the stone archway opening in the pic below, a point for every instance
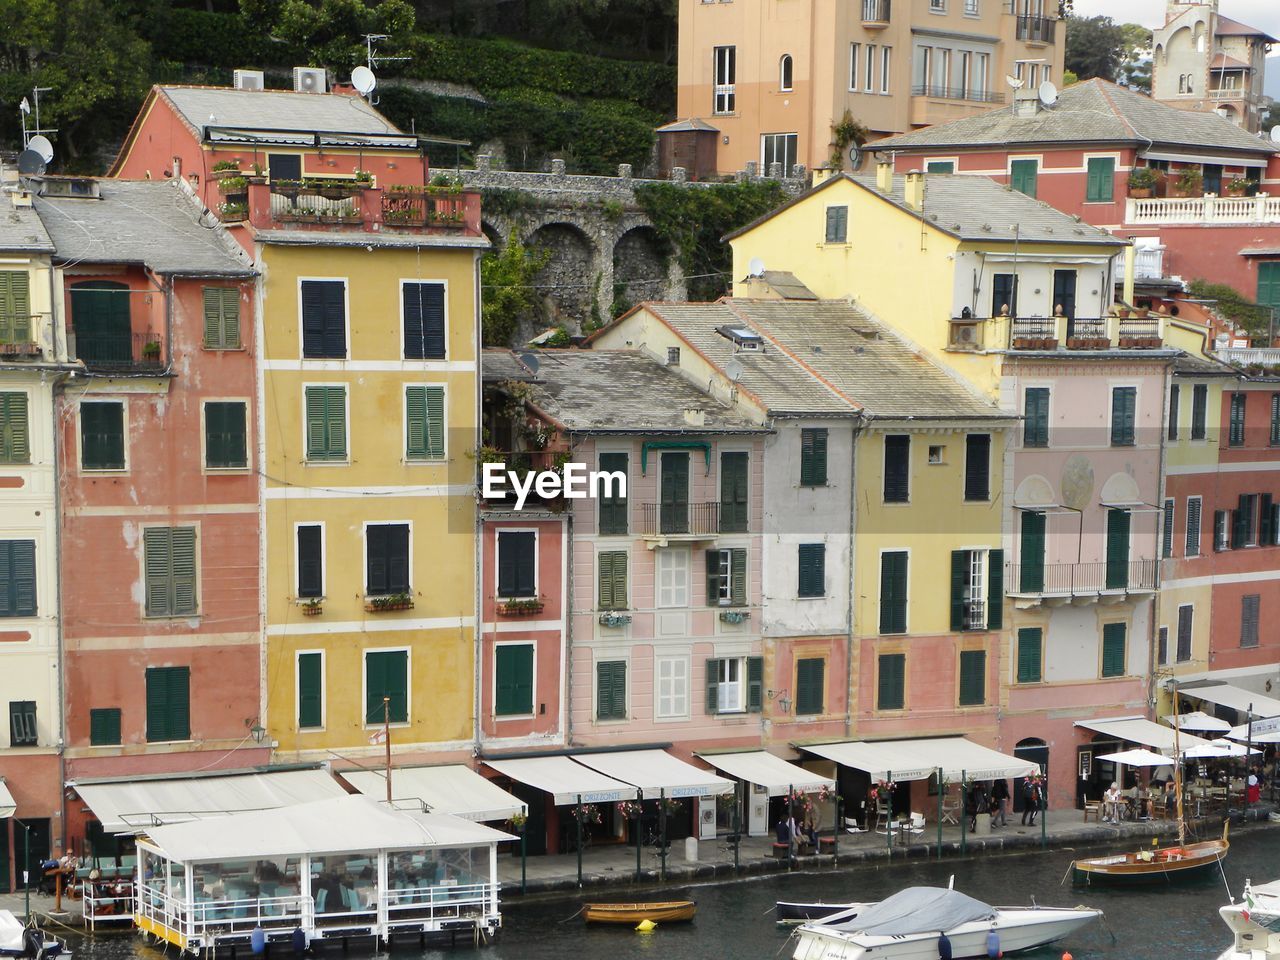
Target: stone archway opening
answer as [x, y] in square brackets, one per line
[1034, 750]
[567, 283]
[639, 269]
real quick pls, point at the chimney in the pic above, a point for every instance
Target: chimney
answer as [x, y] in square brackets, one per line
[884, 176]
[913, 191]
[1026, 103]
[821, 175]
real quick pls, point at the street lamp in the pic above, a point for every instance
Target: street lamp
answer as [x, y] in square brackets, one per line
[26, 867]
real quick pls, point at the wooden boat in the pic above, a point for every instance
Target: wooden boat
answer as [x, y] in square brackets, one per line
[664, 911]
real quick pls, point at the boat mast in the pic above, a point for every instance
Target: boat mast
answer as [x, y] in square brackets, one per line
[1177, 768]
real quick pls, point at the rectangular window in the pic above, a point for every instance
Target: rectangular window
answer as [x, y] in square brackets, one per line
[17, 578]
[727, 577]
[733, 492]
[1275, 419]
[971, 8]
[728, 685]
[885, 55]
[1242, 527]
[612, 576]
[1221, 531]
[893, 591]
[1166, 546]
[1199, 410]
[1004, 294]
[424, 423]
[102, 435]
[170, 564]
[897, 468]
[813, 457]
[1162, 646]
[15, 307]
[1117, 568]
[1266, 520]
[674, 493]
[22, 724]
[1249, 609]
[724, 60]
[837, 224]
[15, 446]
[977, 466]
[613, 507]
[326, 410]
[673, 577]
[1174, 392]
[853, 67]
[1022, 176]
[1035, 428]
[324, 319]
[104, 726]
[1269, 283]
[973, 678]
[812, 559]
[735, 685]
[779, 148]
[517, 564]
[1113, 653]
[1193, 527]
[423, 305]
[1186, 615]
[939, 166]
[225, 442]
[869, 69]
[310, 560]
[513, 680]
[611, 690]
[1031, 552]
[222, 318]
[168, 704]
[1030, 655]
[1101, 180]
[1124, 402]
[891, 683]
[310, 690]
[386, 686]
[386, 559]
[673, 688]
[810, 686]
[977, 589]
[1235, 431]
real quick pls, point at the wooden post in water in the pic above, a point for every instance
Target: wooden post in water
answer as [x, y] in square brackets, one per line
[662, 825]
[577, 819]
[386, 736]
[888, 820]
[940, 789]
[639, 829]
[964, 813]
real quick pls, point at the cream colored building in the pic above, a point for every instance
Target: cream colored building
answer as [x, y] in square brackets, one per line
[773, 76]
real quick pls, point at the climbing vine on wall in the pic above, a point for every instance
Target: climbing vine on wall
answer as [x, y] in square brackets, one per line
[506, 278]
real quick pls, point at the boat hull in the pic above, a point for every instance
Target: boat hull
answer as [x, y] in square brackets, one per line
[1251, 939]
[1166, 864]
[788, 912]
[1018, 929]
[674, 911]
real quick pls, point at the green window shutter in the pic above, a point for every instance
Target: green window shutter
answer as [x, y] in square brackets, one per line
[435, 423]
[897, 468]
[222, 318]
[14, 441]
[713, 578]
[386, 675]
[102, 435]
[604, 580]
[959, 577]
[674, 510]
[158, 563]
[1269, 283]
[182, 542]
[1035, 431]
[1101, 180]
[1166, 532]
[168, 703]
[226, 443]
[733, 492]
[891, 685]
[1199, 410]
[1266, 521]
[1031, 552]
[104, 726]
[1123, 401]
[1275, 419]
[415, 418]
[940, 166]
[977, 466]
[310, 690]
[1117, 550]
[973, 678]
[326, 423]
[15, 307]
[1029, 655]
[995, 589]
[310, 561]
[1022, 175]
[613, 580]
[813, 457]
[738, 576]
[513, 680]
[755, 684]
[317, 445]
[611, 690]
[1174, 408]
[17, 578]
[613, 508]
[713, 687]
[813, 570]
[1113, 653]
[893, 592]
[810, 686]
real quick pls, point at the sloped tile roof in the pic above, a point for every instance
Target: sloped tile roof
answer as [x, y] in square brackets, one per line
[21, 229]
[276, 110]
[1226, 27]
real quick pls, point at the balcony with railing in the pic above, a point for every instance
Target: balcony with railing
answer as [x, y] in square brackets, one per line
[948, 92]
[680, 520]
[1036, 29]
[343, 204]
[1202, 210]
[875, 13]
[1049, 581]
[25, 336]
[124, 352]
[1148, 264]
[976, 334]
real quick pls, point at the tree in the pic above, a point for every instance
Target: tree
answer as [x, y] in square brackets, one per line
[1095, 47]
[506, 277]
[1135, 57]
[1271, 118]
[333, 30]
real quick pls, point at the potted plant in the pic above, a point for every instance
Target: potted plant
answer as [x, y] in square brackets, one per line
[225, 170]
[734, 616]
[151, 351]
[612, 618]
[394, 601]
[312, 607]
[364, 177]
[1237, 187]
[522, 607]
[1190, 182]
[233, 211]
[231, 185]
[258, 176]
[1142, 182]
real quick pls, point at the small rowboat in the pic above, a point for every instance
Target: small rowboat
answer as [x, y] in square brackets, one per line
[666, 911]
[1161, 863]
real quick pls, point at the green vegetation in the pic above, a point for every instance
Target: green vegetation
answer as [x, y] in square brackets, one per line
[506, 278]
[1100, 47]
[1233, 305]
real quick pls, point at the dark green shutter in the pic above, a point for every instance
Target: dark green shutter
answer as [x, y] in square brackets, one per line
[1123, 401]
[183, 550]
[1117, 549]
[755, 684]
[17, 578]
[893, 592]
[1030, 669]
[1236, 420]
[813, 457]
[226, 443]
[168, 703]
[613, 580]
[1220, 540]
[1166, 531]
[222, 318]
[613, 508]
[104, 726]
[973, 678]
[977, 466]
[812, 563]
[15, 444]
[733, 493]
[959, 578]
[675, 493]
[102, 435]
[517, 562]
[713, 687]
[310, 690]
[424, 423]
[1022, 174]
[1269, 283]
[170, 567]
[424, 321]
[738, 576]
[326, 423]
[713, 578]
[15, 307]
[891, 684]
[611, 690]
[897, 468]
[1031, 553]
[810, 686]
[1275, 419]
[310, 561]
[1035, 431]
[513, 680]
[1101, 180]
[1113, 655]
[386, 675]
[324, 319]
[1266, 521]
[995, 589]
[1174, 401]
[1199, 410]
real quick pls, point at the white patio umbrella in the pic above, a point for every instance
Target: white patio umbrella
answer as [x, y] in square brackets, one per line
[1215, 750]
[1135, 758]
[1241, 733]
[1198, 720]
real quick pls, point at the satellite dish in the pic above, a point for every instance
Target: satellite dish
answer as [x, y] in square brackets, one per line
[30, 163]
[1275, 134]
[756, 267]
[734, 370]
[529, 359]
[1048, 94]
[855, 156]
[363, 80]
[1015, 82]
[41, 145]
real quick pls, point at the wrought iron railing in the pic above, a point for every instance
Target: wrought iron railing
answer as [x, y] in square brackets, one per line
[1036, 29]
[1080, 579]
[1032, 328]
[660, 519]
[121, 351]
[948, 92]
[1089, 328]
[424, 206]
[875, 11]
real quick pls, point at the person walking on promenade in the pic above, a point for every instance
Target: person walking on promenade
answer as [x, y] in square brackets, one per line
[1000, 803]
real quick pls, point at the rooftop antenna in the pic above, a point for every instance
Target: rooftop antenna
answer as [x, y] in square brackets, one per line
[372, 59]
[24, 110]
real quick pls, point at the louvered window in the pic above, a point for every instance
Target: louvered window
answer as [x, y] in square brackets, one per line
[424, 328]
[225, 442]
[1030, 655]
[1166, 538]
[810, 686]
[387, 559]
[1199, 410]
[733, 492]
[891, 683]
[326, 409]
[977, 466]
[517, 564]
[1250, 606]
[15, 307]
[386, 677]
[104, 726]
[897, 468]
[310, 690]
[222, 318]
[813, 457]
[22, 724]
[168, 704]
[893, 592]
[17, 578]
[973, 678]
[1194, 506]
[727, 577]
[310, 560]
[1113, 650]
[15, 445]
[324, 319]
[1186, 617]
[424, 423]
[170, 559]
[812, 559]
[611, 690]
[1235, 424]
[1123, 409]
[613, 506]
[612, 576]
[513, 680]
[102, 435]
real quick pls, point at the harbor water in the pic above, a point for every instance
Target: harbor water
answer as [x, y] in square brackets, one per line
[735, 918]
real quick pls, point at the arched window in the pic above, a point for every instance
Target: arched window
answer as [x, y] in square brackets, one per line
[784, 72]
[1182, 83]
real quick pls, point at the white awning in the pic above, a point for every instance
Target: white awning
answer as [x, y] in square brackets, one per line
[133, 806]
[566, 781]
[956, 757]
[1234, 161]
[1197, 721]
[1143, 731]
[656, 773]
[1267, 734]
[343, 824]
[1225, 695]
[452, 788]
[8, 806]
[769, 771]
[1136, 758]
[1217, 749]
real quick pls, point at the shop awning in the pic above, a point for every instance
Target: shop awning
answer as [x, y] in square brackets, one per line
[1236, 698]
[565, 780]
[656, 773]
[956, 757]
[133, 806]
[8, 806]
[452, 788]
[1143, 731]
[879, 759]
[769, 771]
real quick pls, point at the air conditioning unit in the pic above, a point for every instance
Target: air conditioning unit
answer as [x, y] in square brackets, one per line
[964, 336]
[250, 80]
[309, 79]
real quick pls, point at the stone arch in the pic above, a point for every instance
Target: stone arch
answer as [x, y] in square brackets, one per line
[494, 233]
[567, 283]
[1121, 488]
[1034, 491]
[639, 266]
[1033, 750]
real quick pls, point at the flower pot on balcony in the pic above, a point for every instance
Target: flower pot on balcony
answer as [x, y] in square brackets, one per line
[399, 601]
[611, 618]
[521, 608]
[1024, 343]
[151, 351]
[734, 616]
[313, 609]
[1050, 343]
[1140, 193]
[1130, 343]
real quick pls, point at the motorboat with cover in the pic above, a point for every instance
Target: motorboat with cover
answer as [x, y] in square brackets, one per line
[792, 912]
[19, 940]
[911, 924]
[1254, 923]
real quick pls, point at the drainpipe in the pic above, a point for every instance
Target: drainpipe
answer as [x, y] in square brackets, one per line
[260, 385]
[567, 610]
[849, 580]
[1153, 632]
[55, 390]
[477, 628]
